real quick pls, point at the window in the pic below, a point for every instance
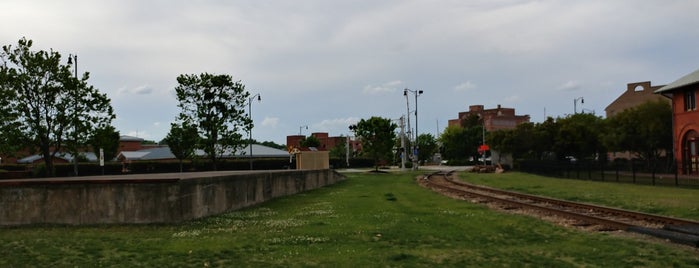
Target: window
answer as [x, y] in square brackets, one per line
[690, 101]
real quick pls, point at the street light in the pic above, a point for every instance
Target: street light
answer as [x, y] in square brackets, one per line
[259, 98]
[416, 147]
[575, 104]
[72, 58]
[301, 127]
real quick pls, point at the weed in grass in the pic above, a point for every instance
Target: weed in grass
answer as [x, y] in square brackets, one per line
[390, 197]
[296, 240]
[283, 223]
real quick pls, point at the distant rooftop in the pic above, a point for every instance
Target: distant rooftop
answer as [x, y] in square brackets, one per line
[129, 138]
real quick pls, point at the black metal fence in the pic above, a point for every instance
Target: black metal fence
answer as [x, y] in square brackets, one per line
[636, 172]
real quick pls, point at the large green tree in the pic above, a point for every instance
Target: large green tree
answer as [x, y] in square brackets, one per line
[182, 141]
[459, 143]
[107, 139]
[215, 104]
[310, 141]
[427, 145]
[645, 130]
[579, 135]
[43, 106]
[376, 135]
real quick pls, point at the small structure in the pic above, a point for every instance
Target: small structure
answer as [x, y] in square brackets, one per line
[313, 160]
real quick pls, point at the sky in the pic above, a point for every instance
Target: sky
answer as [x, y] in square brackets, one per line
[320, 66]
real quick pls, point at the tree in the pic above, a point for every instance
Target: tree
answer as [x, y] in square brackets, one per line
[454, 144]
[461, 143]
[107, 139]
[182, 140]
[579, 135]
[340, 150]
[310, 141]
[44, 107]
[645, 130]
[503, 141]
[376, 135]
[545, 134]
[271, 144]
[427, 145]
[215, 105]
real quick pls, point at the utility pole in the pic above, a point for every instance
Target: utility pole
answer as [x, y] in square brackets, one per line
[259, 98]
[402, 143]
[415, 151]
[75, 112]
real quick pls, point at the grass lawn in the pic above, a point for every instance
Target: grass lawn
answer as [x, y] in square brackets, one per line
[369, 220]
[663, 200]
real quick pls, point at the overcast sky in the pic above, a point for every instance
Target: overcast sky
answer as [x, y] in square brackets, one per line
[328, 64]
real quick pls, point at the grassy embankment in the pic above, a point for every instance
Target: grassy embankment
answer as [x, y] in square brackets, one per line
[370, 220]
[662, 200]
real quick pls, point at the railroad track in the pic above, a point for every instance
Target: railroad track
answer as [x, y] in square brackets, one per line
[676, 230]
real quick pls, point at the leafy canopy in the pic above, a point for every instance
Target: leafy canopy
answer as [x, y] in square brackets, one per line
[376, 135]
[43, 106]
[215, 106]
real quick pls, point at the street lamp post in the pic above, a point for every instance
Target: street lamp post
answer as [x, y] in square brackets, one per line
[301, 128]
[575, 104]
[416, 148]
[74, 58]
[259, 98]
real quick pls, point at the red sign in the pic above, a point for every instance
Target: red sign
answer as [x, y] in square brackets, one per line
[483, 148]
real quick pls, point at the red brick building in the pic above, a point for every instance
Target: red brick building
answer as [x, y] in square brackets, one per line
[494, 119]
[327, 143]
[685, 116]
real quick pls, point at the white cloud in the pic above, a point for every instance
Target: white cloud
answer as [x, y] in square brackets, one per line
[270, 122]
[335, 124]
[139, 90]
[353, 58]
[465, 86]
[388, 87]
[512, 99]
[570, 86]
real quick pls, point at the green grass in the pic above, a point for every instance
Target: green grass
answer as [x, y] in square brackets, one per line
[370, 220]
[663, 200]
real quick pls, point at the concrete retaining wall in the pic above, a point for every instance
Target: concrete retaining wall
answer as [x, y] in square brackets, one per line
[157, 198]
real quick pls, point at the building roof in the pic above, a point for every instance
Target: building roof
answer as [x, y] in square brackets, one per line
[130, 138]
[162, 153]
[686, 80]
[90, 156]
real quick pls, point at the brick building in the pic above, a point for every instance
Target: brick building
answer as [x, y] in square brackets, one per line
[685, 116]
[327, 143]
[636, 94]
[494, 119]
